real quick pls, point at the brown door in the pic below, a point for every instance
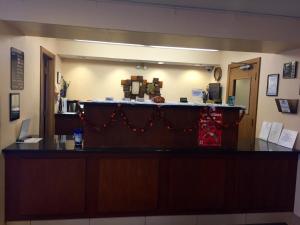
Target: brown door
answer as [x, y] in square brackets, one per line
[243, 83]
[47, 98]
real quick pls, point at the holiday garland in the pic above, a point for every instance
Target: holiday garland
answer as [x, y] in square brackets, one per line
[156, 115]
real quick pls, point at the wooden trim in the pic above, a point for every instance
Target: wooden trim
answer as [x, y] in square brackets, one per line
[49, 92]
[254, 61]
[238, 64]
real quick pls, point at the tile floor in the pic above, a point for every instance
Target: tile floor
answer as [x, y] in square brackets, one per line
[230, 219]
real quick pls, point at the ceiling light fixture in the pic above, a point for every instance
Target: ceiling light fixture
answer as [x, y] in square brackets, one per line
[152, 46]
[160, 63]
[110, 43]
[184, 48]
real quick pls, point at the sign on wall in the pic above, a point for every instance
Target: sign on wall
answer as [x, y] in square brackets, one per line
[17, 69]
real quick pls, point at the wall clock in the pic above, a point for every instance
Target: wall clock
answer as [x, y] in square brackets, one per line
[218, 73]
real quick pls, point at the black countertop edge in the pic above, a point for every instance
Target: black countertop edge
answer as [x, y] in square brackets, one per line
[65, 144]
[8, 151]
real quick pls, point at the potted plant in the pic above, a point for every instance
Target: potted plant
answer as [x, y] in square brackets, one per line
[64, 85]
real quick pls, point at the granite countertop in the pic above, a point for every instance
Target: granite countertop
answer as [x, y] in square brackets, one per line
[150, 103]
[66, 144]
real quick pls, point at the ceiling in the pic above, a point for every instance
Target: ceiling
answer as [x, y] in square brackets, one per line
[145, 38]
[287, 8]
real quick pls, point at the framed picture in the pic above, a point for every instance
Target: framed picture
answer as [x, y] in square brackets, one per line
[14, 106]
[58, 77]
[290, 70]
[17, 69]
[272, 85]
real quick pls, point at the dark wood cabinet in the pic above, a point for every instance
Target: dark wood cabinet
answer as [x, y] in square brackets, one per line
[65, 124]
[39, 187]
[94, 184]
[265, 185]
[197, 183]
[127, 185]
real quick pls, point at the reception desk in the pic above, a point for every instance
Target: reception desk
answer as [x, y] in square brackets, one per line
[140, 125]
[54, 180]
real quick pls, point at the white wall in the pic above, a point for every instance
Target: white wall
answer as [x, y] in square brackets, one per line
[288, 88]
[99, 79]
[30, 96]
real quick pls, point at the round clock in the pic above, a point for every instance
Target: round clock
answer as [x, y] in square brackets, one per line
[218, 73]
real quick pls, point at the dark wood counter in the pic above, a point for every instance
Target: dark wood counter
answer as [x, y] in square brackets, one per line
[113, 124]
[54, 180]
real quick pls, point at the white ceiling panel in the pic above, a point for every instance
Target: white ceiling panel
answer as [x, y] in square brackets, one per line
[288, 8]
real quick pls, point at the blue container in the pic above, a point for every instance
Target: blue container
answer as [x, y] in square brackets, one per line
[78, 136]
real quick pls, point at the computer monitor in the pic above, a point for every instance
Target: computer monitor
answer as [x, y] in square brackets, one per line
[214, 91]
[23, 134]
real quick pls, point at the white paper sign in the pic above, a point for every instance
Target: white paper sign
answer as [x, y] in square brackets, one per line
[265, 130]
[197, 93]
[275, 132]
[288, 138]
[284, 106]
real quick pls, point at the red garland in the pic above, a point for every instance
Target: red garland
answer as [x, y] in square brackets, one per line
[156, 114]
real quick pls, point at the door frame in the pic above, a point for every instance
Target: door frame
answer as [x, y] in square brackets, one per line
[257, 78]
[49, 93]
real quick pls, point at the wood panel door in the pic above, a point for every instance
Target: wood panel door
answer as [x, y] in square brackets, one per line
[197, 184]
[128, 185]
[243, 83]
[47, 99]
[265, 183]
[45, 187]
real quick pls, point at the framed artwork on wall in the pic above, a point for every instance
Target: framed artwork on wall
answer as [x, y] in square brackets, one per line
[14, 106]
[290, 70]
[272, 85]
[17, 69]
[58, 77]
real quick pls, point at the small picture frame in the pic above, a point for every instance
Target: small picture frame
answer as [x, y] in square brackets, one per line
[290, 70]
[231, 100]
[58, 77]
[14, 106]
[272, 85]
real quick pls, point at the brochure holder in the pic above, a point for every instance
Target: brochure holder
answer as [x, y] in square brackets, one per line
[287, 105]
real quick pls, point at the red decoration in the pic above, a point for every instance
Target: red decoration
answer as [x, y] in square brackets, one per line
[210, 124]
[210, 128]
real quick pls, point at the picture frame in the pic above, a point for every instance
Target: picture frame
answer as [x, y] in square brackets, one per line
[272, 85]
[14, 106]
[58, 77]
[290, 70]
[16, 69]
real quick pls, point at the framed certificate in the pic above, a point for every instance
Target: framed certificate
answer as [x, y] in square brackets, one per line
[272, 85]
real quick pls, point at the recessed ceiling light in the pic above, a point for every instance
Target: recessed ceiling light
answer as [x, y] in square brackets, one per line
[160, 63]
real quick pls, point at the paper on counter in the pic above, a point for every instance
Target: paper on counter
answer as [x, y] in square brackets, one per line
[32, 140]
[275, 132]
[265, 130]
[288, 138]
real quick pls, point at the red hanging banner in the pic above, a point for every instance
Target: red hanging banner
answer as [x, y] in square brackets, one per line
[210, 129]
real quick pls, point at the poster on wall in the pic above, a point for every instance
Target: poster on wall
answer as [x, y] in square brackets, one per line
[210, 134]
[17, 69]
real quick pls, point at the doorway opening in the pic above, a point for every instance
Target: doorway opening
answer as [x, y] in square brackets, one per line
[243, 83]
[47, 97]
